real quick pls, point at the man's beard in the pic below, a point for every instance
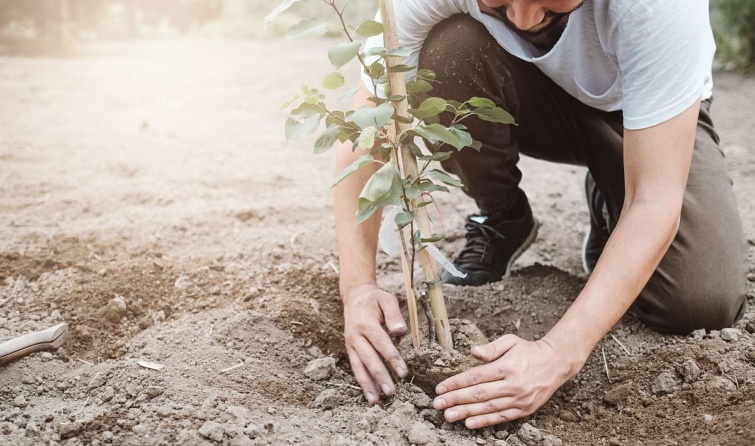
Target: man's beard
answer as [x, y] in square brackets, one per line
[544, 38]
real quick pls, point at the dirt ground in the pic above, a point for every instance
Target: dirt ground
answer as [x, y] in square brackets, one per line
[147, 198]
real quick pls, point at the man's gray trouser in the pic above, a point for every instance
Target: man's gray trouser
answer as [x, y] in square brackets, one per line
[702, 280]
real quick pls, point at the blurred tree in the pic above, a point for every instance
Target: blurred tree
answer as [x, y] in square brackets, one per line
[735, 31]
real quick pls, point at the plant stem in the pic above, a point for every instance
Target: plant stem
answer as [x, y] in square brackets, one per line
[408, 164]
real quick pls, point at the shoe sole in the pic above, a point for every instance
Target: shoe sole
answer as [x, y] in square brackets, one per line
[527, 243]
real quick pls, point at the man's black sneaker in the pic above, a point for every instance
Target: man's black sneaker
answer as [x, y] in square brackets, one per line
[493, 243]
[596, 239]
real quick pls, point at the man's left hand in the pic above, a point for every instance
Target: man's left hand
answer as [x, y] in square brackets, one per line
[519, 377]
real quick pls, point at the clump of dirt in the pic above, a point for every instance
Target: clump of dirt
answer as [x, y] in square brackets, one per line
[430, 364]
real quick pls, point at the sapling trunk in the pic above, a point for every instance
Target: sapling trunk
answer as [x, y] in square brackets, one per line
[408, 166]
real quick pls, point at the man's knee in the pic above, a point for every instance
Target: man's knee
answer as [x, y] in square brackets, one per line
[680, 309]
[454, 41]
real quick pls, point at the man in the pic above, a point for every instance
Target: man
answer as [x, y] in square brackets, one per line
[620, 86]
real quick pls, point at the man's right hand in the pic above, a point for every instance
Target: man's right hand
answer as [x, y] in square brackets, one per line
[366, 309]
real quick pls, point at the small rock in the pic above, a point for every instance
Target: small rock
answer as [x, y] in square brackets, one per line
[501, 443]
[320, 369]
[618, 394]
[730, 334]
[529, 434]
[422, 434]
[32, 430]
[552, 440]
[182, 282]
[107, 394]
[328, 399]
[614, 442]
[698, 334]
[98, 380]
[154, 391]
[690, 371]
[421, 400]
[212, 431]
[46, 356]
[720, 383]
[664, 384]
[68, 430]
[315, 352]
[708, 417]
[432, 415]
[19, 401]
[107, 436]
[139, 429]
[252, 431]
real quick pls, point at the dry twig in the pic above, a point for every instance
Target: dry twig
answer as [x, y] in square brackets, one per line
[605, 363]
[620, 344]
[232, 367]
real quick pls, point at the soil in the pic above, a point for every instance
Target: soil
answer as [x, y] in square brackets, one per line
[429, 364]
[148, 199]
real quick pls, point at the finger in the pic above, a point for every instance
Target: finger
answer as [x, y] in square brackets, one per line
[371, 393]
[494, 350]
[394, 321]
[375, 366]
[387, 350]
[493, 406]
[475, 394]
[492, 419]
[472, 377]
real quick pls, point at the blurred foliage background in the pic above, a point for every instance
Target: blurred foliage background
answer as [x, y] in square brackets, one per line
[53, 26]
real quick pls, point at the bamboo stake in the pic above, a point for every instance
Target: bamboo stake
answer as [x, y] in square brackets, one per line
[409, 168]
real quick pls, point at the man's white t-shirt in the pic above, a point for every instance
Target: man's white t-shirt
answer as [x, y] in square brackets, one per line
[651, 59]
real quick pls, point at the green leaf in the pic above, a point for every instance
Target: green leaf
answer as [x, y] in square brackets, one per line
[373, 116]
[462, 134]
[437, 156]
[396, 98]
[304, 123]
[367, 138]
[429, 186]
[288, 103]
[497, 114]
[370, 28]
[415, 237]
[278, 9]
[383, 188]
[342, 53]
[348, 95]
[377, 51]
[444, 178]
[402, 119]
[429, 107]
[438, 133]
[414, 150]
[353, 167]
[307, 29]
[401, 68]
[375, 70]
[333, 80]
[477, 145]
[399, 52]
[432, 239]
[418, 86]
[326, 139]
[425, 74]
[481, 102]
[365, 213]
[404, 219]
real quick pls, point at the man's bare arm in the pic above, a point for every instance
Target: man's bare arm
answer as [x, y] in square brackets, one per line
[366, 307]
[520, 375]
